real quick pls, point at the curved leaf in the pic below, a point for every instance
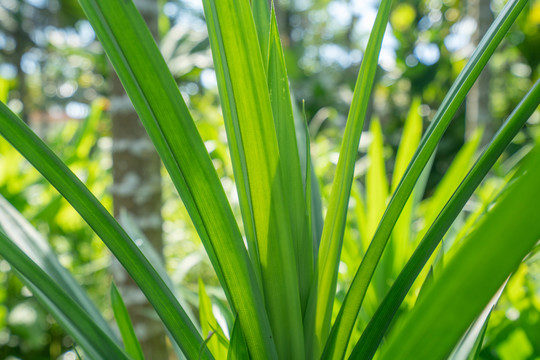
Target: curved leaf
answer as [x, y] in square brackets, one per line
[280, 98]
[105, 226]
[158, 101]
[247, 108]
[68, 312]
[355, 295]
[26, 238]
[473, 276]
[131, 343]
[368, 343]
[322, 295]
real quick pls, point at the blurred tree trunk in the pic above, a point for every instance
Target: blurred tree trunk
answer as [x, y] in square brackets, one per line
[478, 103]
[137, 191]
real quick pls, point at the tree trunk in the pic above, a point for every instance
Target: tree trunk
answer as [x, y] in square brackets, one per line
[137, 191]
[478, 103]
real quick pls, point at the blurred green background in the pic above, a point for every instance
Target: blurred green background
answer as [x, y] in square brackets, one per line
[54, 74]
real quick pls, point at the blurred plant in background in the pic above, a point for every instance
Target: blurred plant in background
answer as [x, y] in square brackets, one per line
[54, 74]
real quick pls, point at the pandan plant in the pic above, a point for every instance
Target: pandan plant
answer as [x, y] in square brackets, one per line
[279, 276]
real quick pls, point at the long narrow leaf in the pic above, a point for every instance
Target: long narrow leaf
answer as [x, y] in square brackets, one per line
[280, 97]
[261, 15]
[237, 347]
[412, 133]
[164, 114]
[26, 238]
[131, 343]
[69, 313]
[455, 174]
[238, 61]
[452, 101]
[376, 181]
[234, 138]
[210, 328]
[473, 276]
[375, 330]
[470, 344]
[308, 191]
[322, 296]
[376, 196]
[102, 222]
[306, 164]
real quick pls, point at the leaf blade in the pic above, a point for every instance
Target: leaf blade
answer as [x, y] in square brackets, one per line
[68, 312]
[101, 221]
[245, 83]
[473, 276]
[375, 330]
[412, 133]
[321, 296]
[210, 328]
[25, 237]
[280, 98]
[164, 114]
[131, 343]
[237, 348]
[451, 103]
[261, 16]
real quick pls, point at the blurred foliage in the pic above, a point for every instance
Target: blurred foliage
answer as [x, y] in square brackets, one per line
[32, 333]
[53, 71]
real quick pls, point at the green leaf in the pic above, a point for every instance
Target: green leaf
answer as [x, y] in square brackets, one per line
[355, 295]
[477, 346]
[210, 328]
[261, 16]
[88, 334]
[105, 226]
[428, 281]
[306, 164]
[308, 191]
[452, 178]
[244, 93]
[412, 132]
[322, 296]
[470, 344]
[473, 276]
[376, 181]
[237, 348]
[280, 98]
[160, 106]
[378, 325]
[376, 197]
[26, 238]
[129, 224]
[4, 89]
[131, 344]
[460, 166]
[234, 138]
[317, 221]
[361, 217]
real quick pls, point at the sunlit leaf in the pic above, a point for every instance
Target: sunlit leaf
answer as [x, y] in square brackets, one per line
[131, 344]
[472, 277]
